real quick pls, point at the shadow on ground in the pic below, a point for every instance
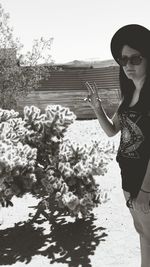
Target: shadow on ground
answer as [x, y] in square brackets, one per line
[68, 243]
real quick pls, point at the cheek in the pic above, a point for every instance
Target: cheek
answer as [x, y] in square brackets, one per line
[142, 69]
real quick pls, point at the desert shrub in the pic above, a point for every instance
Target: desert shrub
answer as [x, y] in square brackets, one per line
[36, 158]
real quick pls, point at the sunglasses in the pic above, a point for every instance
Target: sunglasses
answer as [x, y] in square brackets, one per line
[134, 60]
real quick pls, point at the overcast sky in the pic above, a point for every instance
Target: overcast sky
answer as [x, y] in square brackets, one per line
[82, 29]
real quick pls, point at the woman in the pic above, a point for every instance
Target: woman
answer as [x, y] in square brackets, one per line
[130, 47]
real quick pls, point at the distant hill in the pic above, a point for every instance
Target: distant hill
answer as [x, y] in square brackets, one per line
[89, 64]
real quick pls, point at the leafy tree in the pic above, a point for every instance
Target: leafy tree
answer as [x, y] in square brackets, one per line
[20, 73]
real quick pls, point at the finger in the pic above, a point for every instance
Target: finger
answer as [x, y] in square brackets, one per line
[133, 204]
[89, 87]
[145, 211]
[95, 88]
[146, 208]
[136, 206]
[141, 208]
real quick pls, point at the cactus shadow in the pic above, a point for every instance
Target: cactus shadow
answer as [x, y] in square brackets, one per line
[70, 243]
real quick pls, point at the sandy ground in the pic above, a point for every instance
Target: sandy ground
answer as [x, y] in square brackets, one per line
[107, 238]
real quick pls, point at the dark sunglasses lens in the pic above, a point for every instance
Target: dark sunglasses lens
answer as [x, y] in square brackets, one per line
[123, 61]
[136, 60]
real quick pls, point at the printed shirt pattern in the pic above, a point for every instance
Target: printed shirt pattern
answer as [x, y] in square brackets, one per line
[134, 149]
[131, 135]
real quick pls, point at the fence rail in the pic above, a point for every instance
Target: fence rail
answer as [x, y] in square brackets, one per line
[67, 88]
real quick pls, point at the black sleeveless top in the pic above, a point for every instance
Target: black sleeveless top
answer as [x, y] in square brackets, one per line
[134, 149]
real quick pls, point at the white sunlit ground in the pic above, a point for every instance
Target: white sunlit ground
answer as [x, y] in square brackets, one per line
[108, 239]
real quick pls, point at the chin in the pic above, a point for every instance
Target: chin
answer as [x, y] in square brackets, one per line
[131, 75]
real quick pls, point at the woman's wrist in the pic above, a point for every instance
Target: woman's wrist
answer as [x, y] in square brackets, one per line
[145, 191]
[98, 106]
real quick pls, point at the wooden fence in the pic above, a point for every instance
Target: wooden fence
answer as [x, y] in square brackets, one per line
[66, 87]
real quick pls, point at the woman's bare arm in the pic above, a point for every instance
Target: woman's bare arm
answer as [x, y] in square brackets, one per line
[110, 126]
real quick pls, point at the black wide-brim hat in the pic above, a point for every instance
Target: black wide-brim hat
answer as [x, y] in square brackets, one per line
[133, 35]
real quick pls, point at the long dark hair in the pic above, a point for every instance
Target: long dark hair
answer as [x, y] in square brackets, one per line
[127, 88]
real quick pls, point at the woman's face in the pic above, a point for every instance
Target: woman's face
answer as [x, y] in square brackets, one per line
[133, 71]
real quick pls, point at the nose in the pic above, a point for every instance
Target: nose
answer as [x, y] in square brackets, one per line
[129, 64]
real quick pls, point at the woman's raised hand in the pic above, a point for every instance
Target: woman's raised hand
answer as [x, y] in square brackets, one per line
[93, 97]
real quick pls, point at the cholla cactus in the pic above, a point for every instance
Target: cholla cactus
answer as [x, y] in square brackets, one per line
[36, 158]
[17, 163]
[7, 114]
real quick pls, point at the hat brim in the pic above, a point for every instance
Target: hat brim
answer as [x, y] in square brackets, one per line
[134, 35]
